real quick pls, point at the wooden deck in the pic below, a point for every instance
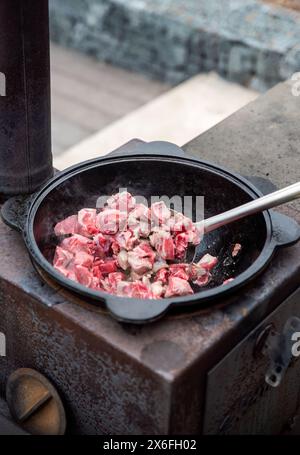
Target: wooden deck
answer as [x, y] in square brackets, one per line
[88, 95]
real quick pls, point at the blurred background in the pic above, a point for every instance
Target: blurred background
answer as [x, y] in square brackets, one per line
[161, 69]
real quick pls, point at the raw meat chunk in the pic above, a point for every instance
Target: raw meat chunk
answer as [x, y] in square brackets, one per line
[67, 226]
[164, 244]
[160, 213]
[177, 287]
[208, 262]
[87, 222]
[122, 201]
[77, 243]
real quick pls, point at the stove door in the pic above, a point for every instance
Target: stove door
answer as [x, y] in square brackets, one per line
[238, 398]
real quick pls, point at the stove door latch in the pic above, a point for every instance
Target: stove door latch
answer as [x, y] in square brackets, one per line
[281, 349]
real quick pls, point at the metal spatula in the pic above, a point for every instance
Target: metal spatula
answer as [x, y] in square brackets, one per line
[269, 201]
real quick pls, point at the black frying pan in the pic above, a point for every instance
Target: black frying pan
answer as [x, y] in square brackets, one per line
[157, 168]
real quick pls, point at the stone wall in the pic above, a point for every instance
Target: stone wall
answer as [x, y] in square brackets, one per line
[247, 41]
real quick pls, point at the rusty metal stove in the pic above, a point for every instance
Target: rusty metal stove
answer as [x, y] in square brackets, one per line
[189, 373]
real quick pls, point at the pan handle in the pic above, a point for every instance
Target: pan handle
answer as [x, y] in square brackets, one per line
[136, 311]
[15, 210]
[286, 230]
[137, 147]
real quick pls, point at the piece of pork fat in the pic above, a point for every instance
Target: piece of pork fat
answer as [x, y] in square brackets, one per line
[158, 289]
[122, 260]
[236, 249]
[177, 287]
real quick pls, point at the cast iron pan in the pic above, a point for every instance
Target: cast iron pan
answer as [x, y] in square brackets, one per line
[156, 168]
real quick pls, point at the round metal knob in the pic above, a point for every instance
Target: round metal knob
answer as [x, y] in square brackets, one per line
[34, 403]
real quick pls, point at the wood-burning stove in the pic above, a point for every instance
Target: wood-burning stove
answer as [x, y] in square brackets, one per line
[192, 372]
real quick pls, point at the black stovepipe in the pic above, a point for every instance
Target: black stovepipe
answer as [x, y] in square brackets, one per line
[25, 127]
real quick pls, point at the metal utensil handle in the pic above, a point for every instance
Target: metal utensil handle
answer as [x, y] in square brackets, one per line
[258, 205]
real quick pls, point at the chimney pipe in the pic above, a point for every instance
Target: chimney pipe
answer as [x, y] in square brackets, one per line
[25, 128]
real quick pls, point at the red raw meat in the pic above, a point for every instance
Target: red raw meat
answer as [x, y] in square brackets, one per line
[108, 266]
[129, 237]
